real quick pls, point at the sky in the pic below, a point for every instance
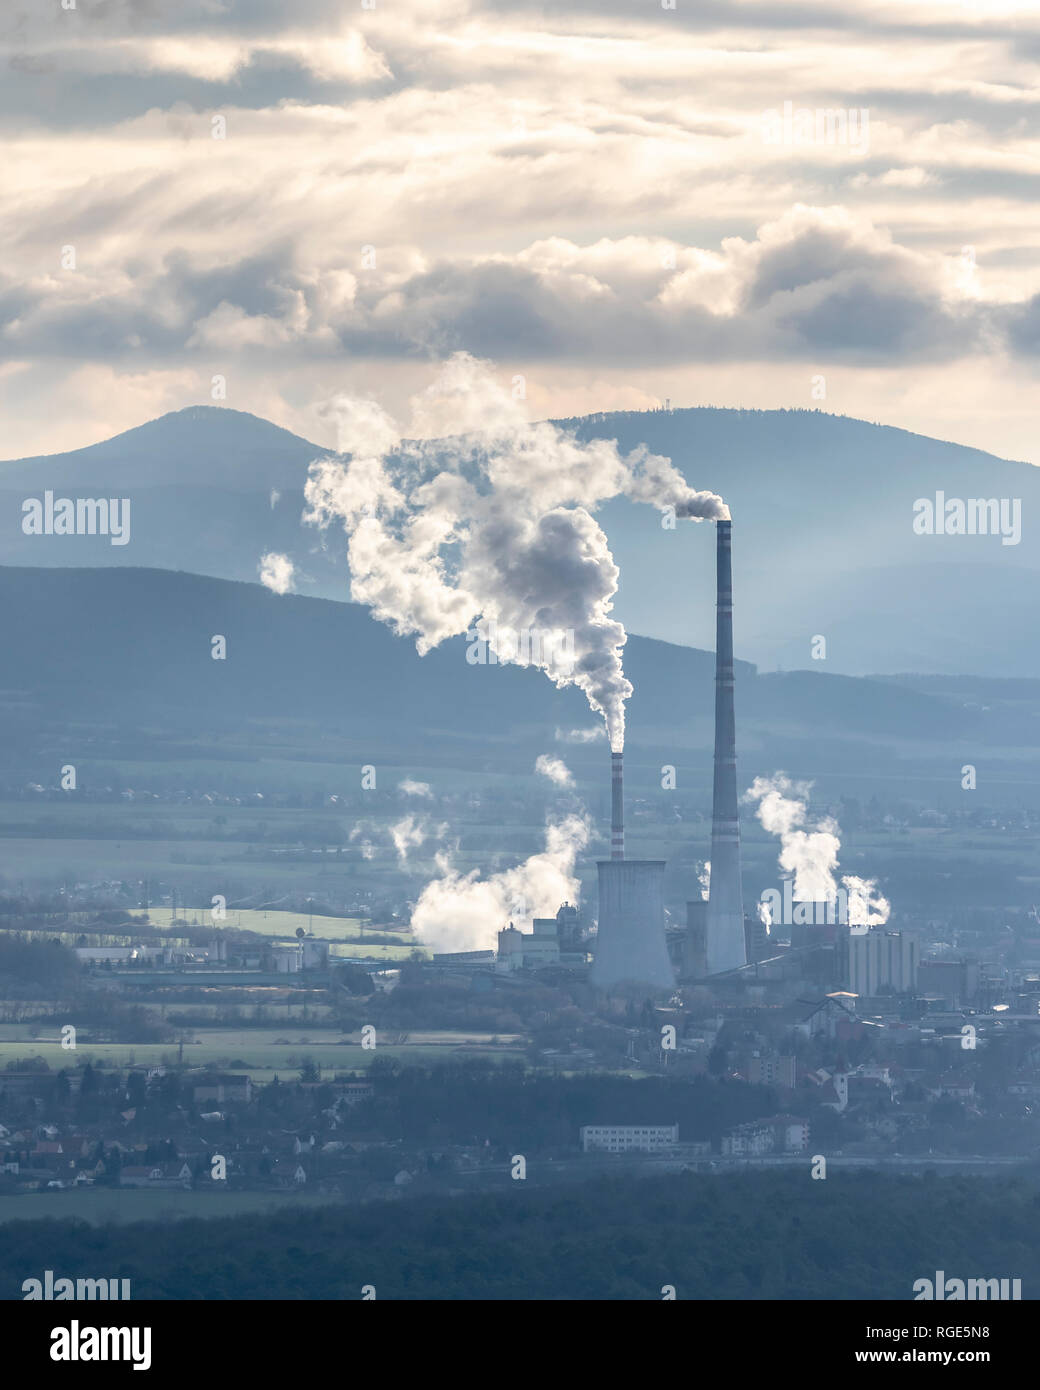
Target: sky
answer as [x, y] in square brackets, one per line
[605, 198]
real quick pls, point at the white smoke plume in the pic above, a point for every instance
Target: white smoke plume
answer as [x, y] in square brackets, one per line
[592, 735]
[463, 912]
[765, 915]
[413, 788]
[555, 769]
[407, 834]
[867, 907]
[810, 852]
[491, 530]
[704, 879]
[276, 572]
[368, 849]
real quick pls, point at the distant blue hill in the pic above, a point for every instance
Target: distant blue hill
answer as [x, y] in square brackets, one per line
[114, 645]
[823, 537]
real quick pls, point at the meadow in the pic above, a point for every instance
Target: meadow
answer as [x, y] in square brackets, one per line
[262, 1052]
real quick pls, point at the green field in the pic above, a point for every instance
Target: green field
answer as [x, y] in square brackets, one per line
[383, 945]
[265, 922]
[262, 1052]
[349, 935]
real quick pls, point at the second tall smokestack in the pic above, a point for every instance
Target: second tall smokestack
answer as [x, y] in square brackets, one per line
[725, 915]
[617, 806]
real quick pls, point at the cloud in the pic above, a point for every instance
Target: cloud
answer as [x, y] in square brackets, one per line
[276, 572]
[816, 280]
[381, 197]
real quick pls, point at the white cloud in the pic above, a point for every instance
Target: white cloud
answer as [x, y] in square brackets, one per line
[276, 572]
[446, 137]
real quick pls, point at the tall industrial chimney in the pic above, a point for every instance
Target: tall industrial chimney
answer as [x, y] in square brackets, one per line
[725, 924]
[617, 806]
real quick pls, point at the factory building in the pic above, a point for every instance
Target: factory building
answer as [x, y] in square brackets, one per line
[955, 982]
[289, 958]
[878, 961]
[555, 940]
[621, 1139]
[527, 950]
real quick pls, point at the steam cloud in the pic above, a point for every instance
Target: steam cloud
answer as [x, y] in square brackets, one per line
[463, 912]
[276, 572]
[810, 852]
[555, 769]
[412, 788]
[491, 530]
[592, 735]
[407, 834]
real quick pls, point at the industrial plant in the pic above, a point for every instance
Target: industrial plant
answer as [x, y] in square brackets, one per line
[719, 953]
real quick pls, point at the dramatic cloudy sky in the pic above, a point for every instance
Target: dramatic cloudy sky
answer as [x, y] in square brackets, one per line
[582, 192]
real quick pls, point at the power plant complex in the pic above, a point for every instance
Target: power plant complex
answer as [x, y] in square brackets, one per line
[630, 944]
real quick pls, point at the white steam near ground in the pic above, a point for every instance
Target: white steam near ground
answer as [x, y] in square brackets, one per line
[809, 852]
[411, 832]
[491, 530]
[464, 912]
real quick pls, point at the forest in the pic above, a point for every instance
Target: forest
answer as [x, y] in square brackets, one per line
[755, 1236]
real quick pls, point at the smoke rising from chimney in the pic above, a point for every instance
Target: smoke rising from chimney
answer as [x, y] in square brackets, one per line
[810, 852]
[491, 528]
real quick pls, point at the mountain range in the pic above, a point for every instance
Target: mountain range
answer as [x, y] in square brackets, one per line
[824, 541]
[119, 663]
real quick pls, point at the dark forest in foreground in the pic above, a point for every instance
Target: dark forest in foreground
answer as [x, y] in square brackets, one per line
[754, 1236]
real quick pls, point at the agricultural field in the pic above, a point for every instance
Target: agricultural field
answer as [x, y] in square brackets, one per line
[262, 1052]
[283, 925]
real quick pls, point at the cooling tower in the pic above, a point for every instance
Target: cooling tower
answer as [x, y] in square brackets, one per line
[725, 922]
[630, 943]
[617, 804]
